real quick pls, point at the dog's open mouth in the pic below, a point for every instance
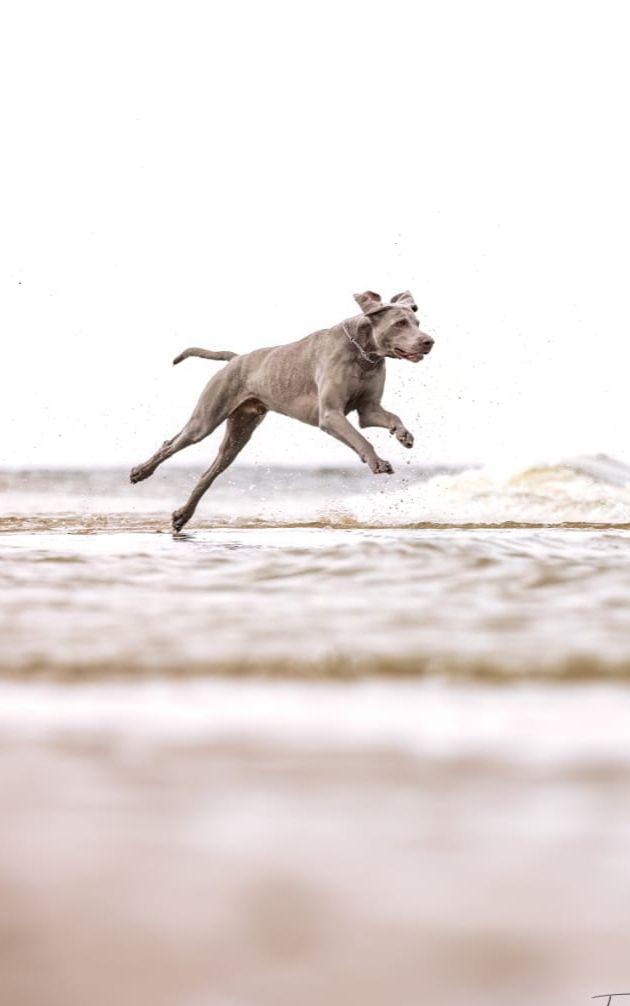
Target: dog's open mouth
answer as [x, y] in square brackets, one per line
[412, 357]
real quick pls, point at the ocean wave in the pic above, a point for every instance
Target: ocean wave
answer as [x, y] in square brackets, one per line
[579, 492]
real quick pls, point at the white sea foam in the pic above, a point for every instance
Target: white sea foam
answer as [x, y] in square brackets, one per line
[578, 490]
[588, 489]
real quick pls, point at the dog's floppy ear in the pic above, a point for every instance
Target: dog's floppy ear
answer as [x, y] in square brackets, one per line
[405, 299]
[369, 302]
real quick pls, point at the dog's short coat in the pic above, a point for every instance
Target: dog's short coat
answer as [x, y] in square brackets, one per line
[318, 380]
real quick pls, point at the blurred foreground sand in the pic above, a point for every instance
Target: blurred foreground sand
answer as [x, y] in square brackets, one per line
[221, 875]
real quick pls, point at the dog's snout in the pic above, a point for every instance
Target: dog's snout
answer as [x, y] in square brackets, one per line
[427, 344]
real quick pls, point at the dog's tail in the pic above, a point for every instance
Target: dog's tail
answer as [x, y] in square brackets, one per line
[207, 354]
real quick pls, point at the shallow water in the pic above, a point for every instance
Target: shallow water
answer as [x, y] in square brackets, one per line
[344, 740]
[317, 602]
[334, 583]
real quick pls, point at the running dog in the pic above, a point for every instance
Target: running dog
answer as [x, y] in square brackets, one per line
[318, 380]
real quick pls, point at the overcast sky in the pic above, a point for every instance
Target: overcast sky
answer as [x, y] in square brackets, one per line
[227, 175]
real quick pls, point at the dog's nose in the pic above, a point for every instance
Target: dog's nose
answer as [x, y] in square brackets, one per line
[427, 344]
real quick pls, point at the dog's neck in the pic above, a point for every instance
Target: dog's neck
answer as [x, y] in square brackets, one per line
[367, 358]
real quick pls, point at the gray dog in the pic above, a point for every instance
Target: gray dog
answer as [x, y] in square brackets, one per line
[318, 380]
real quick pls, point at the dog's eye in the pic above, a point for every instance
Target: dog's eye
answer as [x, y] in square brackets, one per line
[401, 323]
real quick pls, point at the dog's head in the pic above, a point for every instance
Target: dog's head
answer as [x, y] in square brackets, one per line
[394, 326]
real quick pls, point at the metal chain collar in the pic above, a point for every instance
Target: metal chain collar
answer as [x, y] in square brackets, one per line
[370, 358]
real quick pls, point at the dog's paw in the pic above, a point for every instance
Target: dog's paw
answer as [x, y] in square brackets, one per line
[179, 518]
[380, 467]
[404, 437]
[137, 474]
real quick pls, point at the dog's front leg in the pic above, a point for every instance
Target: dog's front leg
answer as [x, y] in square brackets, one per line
[376, 415]
[333, 422]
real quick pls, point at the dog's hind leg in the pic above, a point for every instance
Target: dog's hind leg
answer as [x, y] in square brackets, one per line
[239, 428]
[215, 404]
[191, 434]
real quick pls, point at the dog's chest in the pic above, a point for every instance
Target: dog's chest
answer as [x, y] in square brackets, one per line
[364, 385]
